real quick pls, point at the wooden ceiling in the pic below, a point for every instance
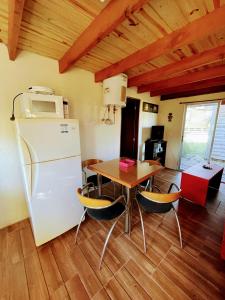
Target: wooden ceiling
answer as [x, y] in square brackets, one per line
[160, 44]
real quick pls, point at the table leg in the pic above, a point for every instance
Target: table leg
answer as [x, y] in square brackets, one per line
[127, 216]
[99, 177]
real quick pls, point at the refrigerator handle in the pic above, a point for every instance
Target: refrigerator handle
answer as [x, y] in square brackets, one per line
[31, 166]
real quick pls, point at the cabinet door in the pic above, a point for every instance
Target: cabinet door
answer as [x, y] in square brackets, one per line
[149, 150]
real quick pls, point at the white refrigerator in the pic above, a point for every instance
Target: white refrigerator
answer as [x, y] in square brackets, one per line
[51, 165]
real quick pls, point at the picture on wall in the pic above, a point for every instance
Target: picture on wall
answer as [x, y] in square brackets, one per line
[150, 107]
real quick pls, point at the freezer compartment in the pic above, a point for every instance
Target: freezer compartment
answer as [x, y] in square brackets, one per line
[54, 207]
[48, 139]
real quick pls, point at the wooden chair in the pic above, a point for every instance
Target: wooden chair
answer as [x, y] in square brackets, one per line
[101, 210]
[158, 203]
[94, 178]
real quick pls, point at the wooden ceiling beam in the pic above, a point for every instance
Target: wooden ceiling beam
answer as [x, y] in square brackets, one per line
[190, 87]
[210, 90]
[108, 19]
[15, 18]
[209, 73]
[197, 60]
[204, 26]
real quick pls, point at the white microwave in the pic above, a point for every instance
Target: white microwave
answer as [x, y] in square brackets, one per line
[41, 106]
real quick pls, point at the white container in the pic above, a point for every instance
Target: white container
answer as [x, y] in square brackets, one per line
[114, 90]
[40, 90]
[41, 106]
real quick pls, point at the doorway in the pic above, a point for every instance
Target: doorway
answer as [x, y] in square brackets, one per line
[198, 133]
[129, 128]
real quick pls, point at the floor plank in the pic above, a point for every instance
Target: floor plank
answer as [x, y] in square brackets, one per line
[134, 253]
[28, 244]
[213, 270]
[60, 294]
[102, 295]
[50, 269]
[182, 267]
[15, 253]
[176, 274]
[115, 290]
[128, 282]
[36, 283]
[4, 280]
[17, 281]
[144, 279]
[167, 285]
[113, 261]
[88, 247]
[63, 259]
[3, 244]
[76, 288]
[85, 272]
[19, 225]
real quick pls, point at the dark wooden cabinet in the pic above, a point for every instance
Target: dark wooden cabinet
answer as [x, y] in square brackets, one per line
[155, 149]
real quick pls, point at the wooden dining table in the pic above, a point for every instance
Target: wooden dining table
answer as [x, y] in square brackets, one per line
[128, 177]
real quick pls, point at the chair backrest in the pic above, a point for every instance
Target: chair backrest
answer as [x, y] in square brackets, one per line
[161, 198]
[91, 202]
[153, 162]
[90, 162]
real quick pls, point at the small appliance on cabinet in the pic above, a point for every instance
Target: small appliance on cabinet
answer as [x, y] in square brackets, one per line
[36, 105]
[51, 165]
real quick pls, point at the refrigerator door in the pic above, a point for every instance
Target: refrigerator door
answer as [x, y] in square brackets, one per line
[54, 207]
[48, 139]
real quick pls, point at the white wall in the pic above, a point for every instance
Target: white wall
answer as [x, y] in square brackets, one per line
[16, 77]
[174, 129]
[85, 98]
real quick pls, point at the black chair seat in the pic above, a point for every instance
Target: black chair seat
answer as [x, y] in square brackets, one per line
[94, 179]
[108, 213]
[153, 207]
[93, 207]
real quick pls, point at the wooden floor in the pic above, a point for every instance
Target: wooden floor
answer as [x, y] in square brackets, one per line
[62, 270]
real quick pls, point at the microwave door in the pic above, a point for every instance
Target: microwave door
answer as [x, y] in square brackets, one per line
[41, 106]
[38, 106]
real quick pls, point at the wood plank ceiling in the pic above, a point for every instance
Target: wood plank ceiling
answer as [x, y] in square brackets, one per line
[151, 41]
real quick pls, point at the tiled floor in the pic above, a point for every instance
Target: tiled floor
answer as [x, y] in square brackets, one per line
[62, 270]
